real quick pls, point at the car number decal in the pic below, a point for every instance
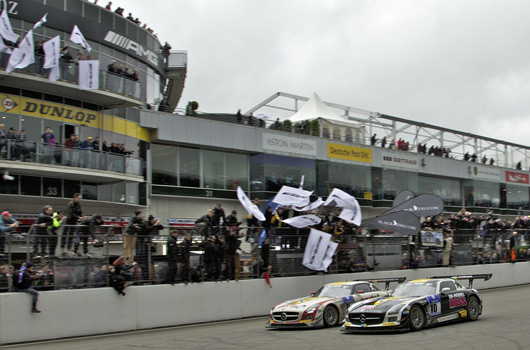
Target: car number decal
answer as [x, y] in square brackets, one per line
[435, 305]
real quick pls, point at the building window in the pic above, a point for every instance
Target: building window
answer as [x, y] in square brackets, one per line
[189, 167]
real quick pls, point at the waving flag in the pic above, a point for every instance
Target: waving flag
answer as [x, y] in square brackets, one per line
[23, 55]
[311, 206]
[403, 222]
[319, 251]
[5, 28]
[248, 205]
[292, 196]
[351, 211]
[303, 221]
[422, 205]
[40, 22]
[52, 49]
[78, 38]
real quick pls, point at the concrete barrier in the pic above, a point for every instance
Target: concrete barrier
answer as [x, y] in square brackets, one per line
[71, 313]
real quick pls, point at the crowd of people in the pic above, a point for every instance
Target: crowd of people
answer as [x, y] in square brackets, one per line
[15, 146]
[130, 17]
[123, 71]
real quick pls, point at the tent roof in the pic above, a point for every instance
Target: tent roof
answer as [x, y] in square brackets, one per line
[315, 108]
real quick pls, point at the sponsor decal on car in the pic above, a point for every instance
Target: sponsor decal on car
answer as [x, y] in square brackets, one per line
[456, 300]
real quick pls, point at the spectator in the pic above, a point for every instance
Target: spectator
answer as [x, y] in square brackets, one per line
[108, 7]
[467, 156]
[130, 17]
[518, 166]
[492, 161]
[185, 248]
[210, 258]
[383, 142]
[277, 124]
[66, 55]
[7, 225]
[131, 233]
[220, 257]
[473, 157]
[74, 215]
[112, 67]
[172, 257]
[392, 144]
[11, 138]
[3, 140]
[204, 224]
[484, 160]
[48, 142]
[373, 140]
[58, 219]
[41, 231]
[4, 278]
[89, 226]
[20, 145]
[448, 248]
[118, 279]
[218, 218]
[252, 223]
[239, 117]
[22, 281]
[144, 243]
[119, 11]
[513, 246]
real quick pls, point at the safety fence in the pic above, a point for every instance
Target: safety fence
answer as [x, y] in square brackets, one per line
[74, 258]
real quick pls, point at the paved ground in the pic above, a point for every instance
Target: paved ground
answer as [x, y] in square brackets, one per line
[504, 325]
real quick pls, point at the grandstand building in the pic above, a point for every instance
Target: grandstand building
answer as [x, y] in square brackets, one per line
[179, 165]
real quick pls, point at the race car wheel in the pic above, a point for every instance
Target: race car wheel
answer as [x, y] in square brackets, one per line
[331, 316]
[416, 318]
[473, 307]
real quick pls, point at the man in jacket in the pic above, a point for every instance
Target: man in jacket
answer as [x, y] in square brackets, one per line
[7, 224]
[74, 215]
[22, 281]
[41, 231]
[172, 257]
[89, 226]
[136, 224]
[185, 248]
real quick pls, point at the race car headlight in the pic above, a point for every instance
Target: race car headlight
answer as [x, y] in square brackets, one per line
[311, 310]
[394, 310]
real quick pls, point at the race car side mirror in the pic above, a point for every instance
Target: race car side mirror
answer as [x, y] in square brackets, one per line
[313, 294]
[445, 290]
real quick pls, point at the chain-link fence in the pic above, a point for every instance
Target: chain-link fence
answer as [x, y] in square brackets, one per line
[75, 258]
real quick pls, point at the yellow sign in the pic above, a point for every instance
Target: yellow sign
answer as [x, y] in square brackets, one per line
[356, 154]
[68, 114]
[49, 110]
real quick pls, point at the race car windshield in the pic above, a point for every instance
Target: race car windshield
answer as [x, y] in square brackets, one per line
[334, 291]
[413, 290]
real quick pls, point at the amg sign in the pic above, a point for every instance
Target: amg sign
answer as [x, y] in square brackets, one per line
[128, 44]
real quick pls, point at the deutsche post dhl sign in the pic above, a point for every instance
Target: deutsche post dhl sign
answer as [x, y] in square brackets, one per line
[518, 178]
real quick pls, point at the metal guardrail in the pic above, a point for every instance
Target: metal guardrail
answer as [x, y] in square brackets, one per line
[38, 152]
[355, 253]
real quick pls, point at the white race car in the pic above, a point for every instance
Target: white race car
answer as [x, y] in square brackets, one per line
[326, 307]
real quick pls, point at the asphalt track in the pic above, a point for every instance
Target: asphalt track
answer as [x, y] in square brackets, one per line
[504, 325]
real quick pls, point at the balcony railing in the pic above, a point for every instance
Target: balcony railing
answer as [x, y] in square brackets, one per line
[37, 152]
[69, 71]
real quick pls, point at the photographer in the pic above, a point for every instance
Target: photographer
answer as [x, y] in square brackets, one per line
[90, 225]
[22, 281]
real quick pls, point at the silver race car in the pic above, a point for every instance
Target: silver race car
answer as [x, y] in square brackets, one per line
[326, 307]
[417, 304]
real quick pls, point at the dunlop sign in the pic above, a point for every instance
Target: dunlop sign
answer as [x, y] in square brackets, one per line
[356, 154]
[49, 110]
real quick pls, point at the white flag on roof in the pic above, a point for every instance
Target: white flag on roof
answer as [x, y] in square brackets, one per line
[5, 28]
[78, 38]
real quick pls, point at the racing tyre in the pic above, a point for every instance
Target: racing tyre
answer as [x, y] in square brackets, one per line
[473, 308]
[331, 316]
[416, 318]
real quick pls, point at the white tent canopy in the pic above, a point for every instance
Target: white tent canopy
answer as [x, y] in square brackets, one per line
[315, 108]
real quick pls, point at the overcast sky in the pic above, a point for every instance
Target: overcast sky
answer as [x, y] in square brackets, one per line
[462, 64]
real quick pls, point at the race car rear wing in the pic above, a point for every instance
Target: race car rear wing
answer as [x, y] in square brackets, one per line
[484, 277]
[387, 281]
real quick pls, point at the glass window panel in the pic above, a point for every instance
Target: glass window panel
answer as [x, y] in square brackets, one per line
[395, 181]
[236, 166]
[481, 193]
[52, 187]
[189, 169]
[105, 193]
[91, 12]
[273, 172]
[118, 193]
[448, 190]
[32, 127]
[89, 190]
[30, 185]
[75, 7]
[132, 193]
[517, 197]
[164, 164]
[213, 169]
[71, 187]
[352, 179]
[9, 186]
